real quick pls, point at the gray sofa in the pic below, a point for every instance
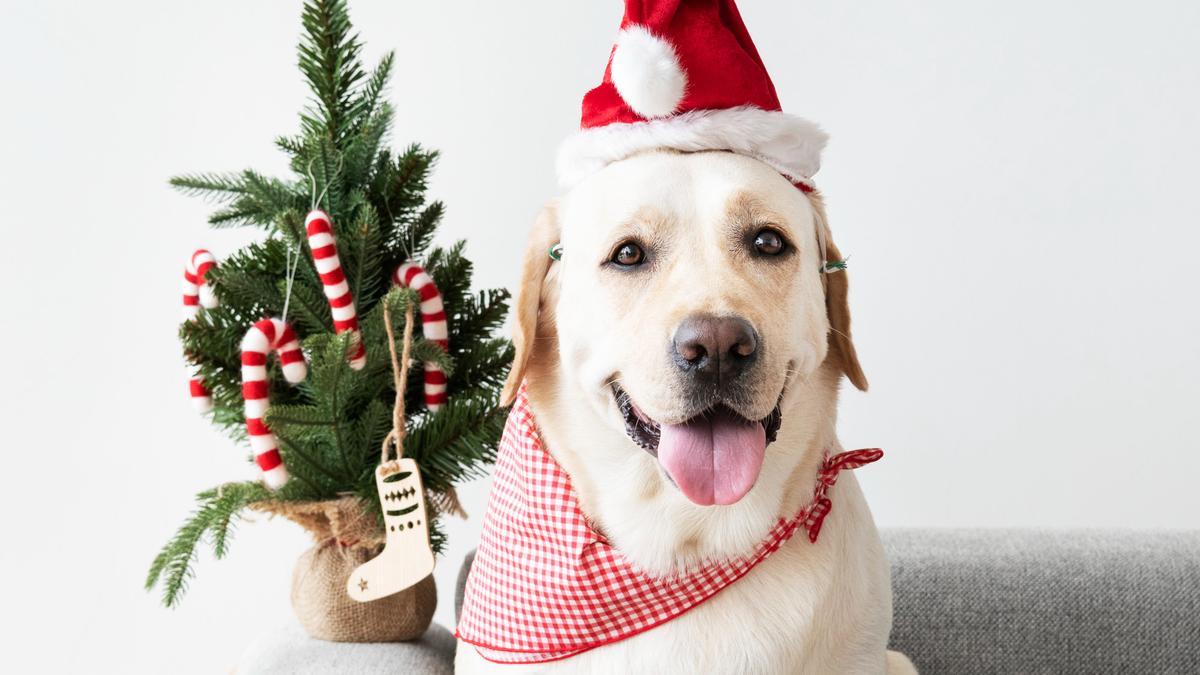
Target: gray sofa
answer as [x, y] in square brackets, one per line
[997, 601]
[966, 601]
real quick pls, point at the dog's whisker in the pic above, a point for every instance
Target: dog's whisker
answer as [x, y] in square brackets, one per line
[835, 330]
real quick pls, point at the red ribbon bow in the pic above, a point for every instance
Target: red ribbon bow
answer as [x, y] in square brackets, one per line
[826, 478]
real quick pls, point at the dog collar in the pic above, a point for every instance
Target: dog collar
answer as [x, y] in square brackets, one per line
[545, 585]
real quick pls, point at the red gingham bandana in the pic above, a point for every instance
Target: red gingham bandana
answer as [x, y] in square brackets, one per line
[545, 585]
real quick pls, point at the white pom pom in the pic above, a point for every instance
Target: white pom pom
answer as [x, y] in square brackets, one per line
[295, 372]
[202, 404]
[208, 299]
[275, 478]
[647, 73]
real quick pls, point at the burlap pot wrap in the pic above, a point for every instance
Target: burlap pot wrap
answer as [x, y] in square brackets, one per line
[347, 537]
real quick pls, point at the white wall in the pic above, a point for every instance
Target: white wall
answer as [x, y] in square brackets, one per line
[1016, 183]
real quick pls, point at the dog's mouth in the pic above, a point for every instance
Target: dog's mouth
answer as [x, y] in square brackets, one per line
[714, 457]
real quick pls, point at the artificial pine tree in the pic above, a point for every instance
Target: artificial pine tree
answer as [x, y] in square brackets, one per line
[330, 427]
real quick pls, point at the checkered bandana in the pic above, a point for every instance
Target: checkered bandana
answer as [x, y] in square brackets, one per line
[545, 585]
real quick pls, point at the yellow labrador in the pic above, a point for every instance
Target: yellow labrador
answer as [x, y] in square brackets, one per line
[685, 327]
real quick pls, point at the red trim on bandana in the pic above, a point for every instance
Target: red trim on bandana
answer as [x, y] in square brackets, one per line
[545, 585]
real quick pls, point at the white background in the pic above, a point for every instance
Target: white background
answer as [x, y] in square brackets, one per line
[1015, 180]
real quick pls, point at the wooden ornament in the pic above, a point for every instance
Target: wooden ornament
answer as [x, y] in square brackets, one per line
[406, 557]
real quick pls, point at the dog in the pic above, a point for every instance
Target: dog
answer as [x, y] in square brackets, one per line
[690, 287]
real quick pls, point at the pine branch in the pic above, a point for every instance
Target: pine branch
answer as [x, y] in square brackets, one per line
[308, 308]
[479, 316]
[292, 146]
[294, 418]
[234, 216]
[338, 350]
[323, 484]
[424, 351]
[174, 565]
[482, 365]
[364, 145]
[323, 167]
[329, 59]
[413, 239]
[217, 186]
[270, 196]
[372, 91]
[451, 445]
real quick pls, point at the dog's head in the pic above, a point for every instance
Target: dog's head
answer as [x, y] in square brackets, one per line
[688, 301]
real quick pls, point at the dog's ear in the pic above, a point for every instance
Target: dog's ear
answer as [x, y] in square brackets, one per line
[837, 306]
[531, 296]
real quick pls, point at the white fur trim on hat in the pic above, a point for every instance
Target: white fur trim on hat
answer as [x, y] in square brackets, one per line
[646, 73]
[789, 144]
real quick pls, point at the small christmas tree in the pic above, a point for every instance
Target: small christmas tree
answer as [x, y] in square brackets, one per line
[330, 427]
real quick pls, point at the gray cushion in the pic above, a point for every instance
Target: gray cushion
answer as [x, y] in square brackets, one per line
[1005, 601]
[1016, 601]
[462, 584]
[289, 651]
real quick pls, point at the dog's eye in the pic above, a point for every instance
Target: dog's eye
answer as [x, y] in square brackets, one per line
[769, 242]
[628, 255]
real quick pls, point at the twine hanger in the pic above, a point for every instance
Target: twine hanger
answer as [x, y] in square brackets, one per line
[395, 437]
[444, 502]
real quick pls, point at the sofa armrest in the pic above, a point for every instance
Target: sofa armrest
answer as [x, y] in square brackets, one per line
[1021, 601]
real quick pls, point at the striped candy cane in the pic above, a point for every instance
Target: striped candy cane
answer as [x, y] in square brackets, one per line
[433, 327]
[329, 267]
[198, 293]
[264, 337]
[201, 396]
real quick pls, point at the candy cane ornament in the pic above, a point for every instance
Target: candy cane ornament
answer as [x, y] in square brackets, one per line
[333, 279]
[197, 293]
[201, 396]
[433, 327]
[264, 337]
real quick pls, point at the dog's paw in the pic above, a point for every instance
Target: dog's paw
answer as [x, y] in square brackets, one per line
[899, 664]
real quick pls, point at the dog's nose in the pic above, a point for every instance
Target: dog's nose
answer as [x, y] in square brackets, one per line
[715, 347]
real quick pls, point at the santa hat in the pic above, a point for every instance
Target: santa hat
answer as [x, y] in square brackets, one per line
[684, 74]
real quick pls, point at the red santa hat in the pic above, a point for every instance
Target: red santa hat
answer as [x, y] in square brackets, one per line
[684, 74]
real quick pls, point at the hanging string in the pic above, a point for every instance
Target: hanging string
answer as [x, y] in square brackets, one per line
[291, 264]
[400, 376]
[312, 179]
[292, 261]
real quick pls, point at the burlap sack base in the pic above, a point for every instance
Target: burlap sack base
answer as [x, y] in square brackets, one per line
[343, 520]
[347, 537]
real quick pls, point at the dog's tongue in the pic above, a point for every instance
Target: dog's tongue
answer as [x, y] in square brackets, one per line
[714, 459]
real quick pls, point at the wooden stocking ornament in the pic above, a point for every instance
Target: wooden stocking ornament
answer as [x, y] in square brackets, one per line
[406, 557]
